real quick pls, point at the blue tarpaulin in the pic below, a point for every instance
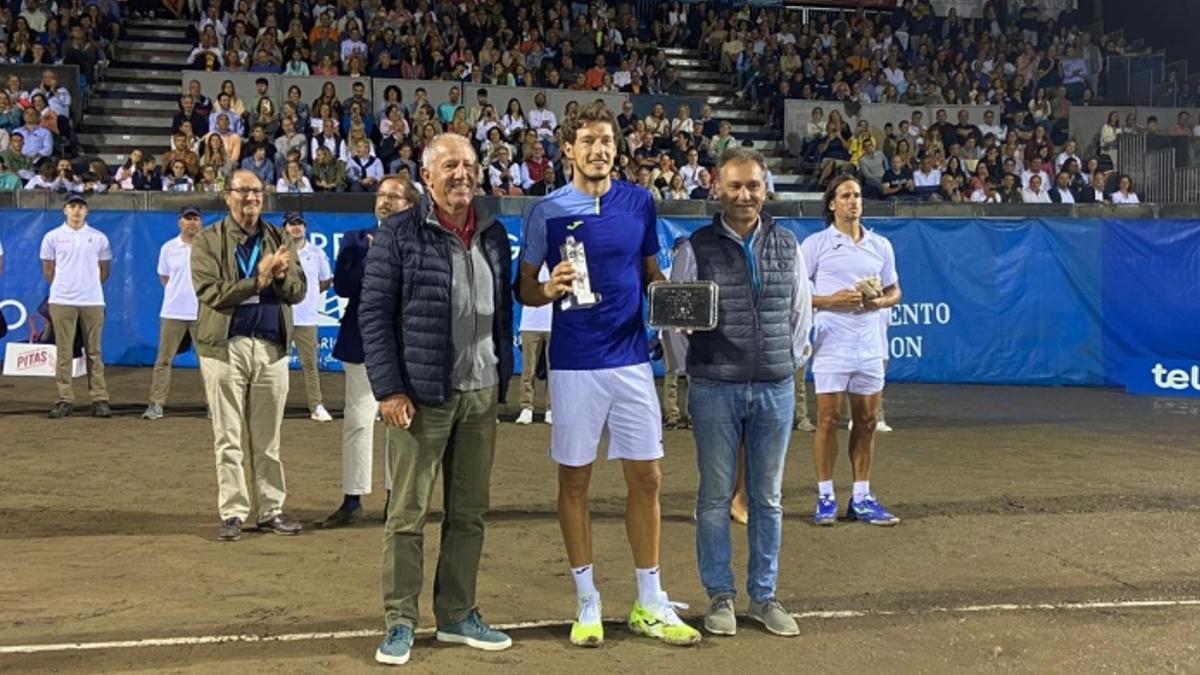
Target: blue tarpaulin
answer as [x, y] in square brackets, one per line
[1023, 301]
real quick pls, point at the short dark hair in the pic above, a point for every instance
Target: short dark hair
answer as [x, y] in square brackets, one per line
[741, 155]
[589, 114]
[831, 192]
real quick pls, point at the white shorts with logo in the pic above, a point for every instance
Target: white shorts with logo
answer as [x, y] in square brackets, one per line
[620, 401]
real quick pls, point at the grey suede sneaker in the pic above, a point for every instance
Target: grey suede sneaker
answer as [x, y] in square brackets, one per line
[774, 617]
[720, 619]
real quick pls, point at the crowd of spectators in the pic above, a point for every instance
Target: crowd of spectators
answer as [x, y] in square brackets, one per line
[963, 161]
[335, 143]
[1029, 69]
[53, 32]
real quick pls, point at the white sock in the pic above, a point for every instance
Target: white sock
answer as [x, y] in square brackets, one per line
[825, 488]
[649, 586]
[862, 488]
[584, 585]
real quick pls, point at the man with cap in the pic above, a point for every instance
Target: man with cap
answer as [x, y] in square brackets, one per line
[246, 279]
[318, 278]
[358, 416]
[76, 259]
[177, 317]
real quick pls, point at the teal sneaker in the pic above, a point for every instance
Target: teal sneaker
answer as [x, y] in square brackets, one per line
[396, 647]
[474, 632]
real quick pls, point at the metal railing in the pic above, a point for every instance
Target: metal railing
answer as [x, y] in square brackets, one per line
[1160, 165]
[1131, 157]
[1158, 175]
[1142, 86]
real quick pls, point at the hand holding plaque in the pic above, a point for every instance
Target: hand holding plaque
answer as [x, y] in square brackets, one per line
[690, 306]
[581, 296]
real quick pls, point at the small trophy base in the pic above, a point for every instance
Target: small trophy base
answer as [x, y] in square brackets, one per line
[573, 301]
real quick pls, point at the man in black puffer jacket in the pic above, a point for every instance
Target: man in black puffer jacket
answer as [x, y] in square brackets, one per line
[436, 320]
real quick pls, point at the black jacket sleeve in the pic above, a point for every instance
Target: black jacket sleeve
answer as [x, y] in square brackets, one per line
[348, 270]
[379, 315]
[504, 325]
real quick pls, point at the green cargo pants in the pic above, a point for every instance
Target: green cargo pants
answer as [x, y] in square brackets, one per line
[459, 439]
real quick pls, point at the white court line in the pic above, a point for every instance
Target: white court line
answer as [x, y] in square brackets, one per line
[353, 634]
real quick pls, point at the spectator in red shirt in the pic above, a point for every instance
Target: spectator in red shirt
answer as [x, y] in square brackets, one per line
[595, 74]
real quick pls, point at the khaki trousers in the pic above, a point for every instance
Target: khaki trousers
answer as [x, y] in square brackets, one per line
[305, 339]
[801, 394]
[246, 396]
[170, 335]
[532, 344]
[459, 440]
[65, 318]
[675, 397]
[358, 434]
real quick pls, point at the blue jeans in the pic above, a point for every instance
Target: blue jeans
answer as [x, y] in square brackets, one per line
[726, 414]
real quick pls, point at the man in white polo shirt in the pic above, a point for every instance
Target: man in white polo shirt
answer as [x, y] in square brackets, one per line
[848, 353]
[75, 261]
[319, 277]
[179, 306]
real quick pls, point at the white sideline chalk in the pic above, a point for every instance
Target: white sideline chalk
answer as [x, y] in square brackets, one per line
[188, 641]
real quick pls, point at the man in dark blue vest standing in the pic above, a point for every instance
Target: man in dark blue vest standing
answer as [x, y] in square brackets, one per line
[742, 389]
[436, 320]
[358, 418]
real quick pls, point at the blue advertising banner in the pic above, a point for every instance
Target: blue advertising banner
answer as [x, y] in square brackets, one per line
[1032, 301]
[1163, 377]
[987, 301]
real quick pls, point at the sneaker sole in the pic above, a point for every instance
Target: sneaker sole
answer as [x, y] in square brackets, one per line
[772, 630]
[876, 523]
[225, 538]
[716, 631]
[267, 529]
[590, 641]
[391, 660]
[825, 522]
[472, 642]
[675, 643]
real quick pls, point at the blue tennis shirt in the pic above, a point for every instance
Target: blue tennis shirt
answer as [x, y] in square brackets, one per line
[617, 230]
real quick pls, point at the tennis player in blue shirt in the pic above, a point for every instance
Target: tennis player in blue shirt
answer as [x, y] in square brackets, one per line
[600, 377]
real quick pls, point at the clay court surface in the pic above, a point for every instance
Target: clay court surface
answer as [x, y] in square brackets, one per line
[1045, 530]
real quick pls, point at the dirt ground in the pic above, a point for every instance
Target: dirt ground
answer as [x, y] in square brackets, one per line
[1010, 497]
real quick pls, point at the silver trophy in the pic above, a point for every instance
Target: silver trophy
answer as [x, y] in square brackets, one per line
[581, 296]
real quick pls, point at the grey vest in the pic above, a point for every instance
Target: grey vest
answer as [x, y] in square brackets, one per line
[753, 339]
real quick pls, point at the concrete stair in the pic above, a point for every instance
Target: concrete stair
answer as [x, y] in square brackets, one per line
[132, 108]
[702, 77]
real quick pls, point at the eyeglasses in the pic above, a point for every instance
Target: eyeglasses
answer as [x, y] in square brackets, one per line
[248, 192]
[391, 196]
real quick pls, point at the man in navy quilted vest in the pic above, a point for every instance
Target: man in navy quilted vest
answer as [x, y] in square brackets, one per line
[742, 389]
[436, 320]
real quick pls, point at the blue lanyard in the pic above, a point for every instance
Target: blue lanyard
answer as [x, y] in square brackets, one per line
[752, 263]
[248, 267]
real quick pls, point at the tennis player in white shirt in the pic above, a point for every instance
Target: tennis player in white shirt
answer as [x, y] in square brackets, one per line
[848, 354]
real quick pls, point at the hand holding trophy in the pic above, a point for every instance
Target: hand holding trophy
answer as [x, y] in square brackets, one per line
[581, 295]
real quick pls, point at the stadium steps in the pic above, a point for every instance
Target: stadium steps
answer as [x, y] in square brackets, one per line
[115, 106]
[702, 77]
[142, 75]
[158, 35]
[132, 108]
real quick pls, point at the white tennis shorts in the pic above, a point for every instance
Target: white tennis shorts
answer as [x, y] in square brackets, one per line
[864, 380]
[621, 401]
